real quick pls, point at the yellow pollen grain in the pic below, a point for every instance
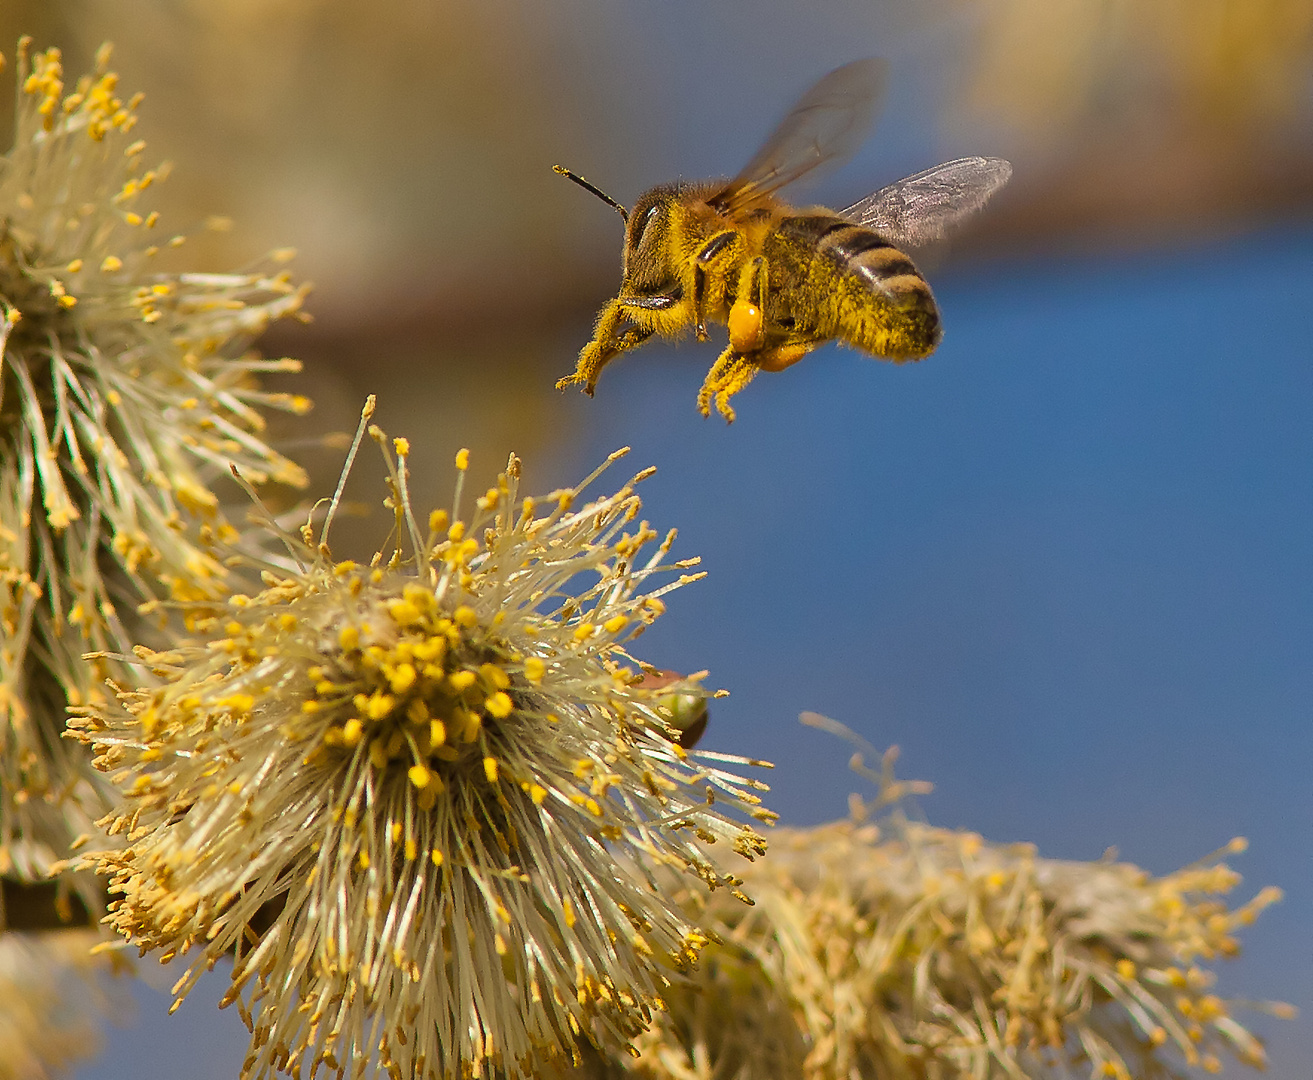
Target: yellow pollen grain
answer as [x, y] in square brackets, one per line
[499, 705]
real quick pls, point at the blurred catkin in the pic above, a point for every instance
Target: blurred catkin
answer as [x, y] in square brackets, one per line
[892, 950]
[126, 391]
[424, 800]
[53, 994]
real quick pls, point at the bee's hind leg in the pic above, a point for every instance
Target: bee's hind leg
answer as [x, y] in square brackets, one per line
[605, 347]
[730, 374]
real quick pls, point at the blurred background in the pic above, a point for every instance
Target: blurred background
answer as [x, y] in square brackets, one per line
[1064, 563]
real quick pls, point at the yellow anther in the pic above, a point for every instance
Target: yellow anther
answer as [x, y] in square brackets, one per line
[534, 669]
[616, 623]
[583, 631]
[352, 731]
[437, 732]
[348, 639]
[490, 769]
[402, 679]
[420, 776]
[499, 705]
[460, 681]
[437, 521]
[436, 856]
[462, 460]
[364, 859]
[404, 613]
[380, 705]
[465, 616]
[457, 531]
[74, 266]
[495, 676]
[537, 793]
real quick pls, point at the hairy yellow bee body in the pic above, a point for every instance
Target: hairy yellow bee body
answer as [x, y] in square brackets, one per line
[785, 281]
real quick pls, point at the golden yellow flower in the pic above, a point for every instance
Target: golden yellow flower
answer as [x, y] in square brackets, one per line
[424, 799]
[125, 391]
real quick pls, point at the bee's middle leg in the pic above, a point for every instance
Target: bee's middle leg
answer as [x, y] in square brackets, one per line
[605, 346]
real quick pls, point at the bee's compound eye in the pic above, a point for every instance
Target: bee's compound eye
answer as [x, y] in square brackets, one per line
[641, 226]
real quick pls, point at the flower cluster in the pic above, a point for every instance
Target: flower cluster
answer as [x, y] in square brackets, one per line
[898, 951]
[424, 800]
[125, 389]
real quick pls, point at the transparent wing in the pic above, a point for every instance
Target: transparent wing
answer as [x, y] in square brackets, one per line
[925, 207]
[824, 128]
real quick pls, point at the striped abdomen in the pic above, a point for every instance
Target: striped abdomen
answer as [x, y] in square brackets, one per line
[882, 303]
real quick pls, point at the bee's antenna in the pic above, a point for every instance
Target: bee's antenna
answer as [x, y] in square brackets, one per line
[589, 187]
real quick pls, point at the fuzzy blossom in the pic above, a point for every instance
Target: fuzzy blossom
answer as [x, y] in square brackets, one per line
[52, 996]
[899, 951]
[424, 800]
[126, 390]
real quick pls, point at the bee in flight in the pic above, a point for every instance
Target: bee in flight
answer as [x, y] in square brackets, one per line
[785, 280]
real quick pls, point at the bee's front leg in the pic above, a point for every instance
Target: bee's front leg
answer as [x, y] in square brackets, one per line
[605, 347]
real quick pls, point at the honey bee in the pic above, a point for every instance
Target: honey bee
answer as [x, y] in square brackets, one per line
[783, 280]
